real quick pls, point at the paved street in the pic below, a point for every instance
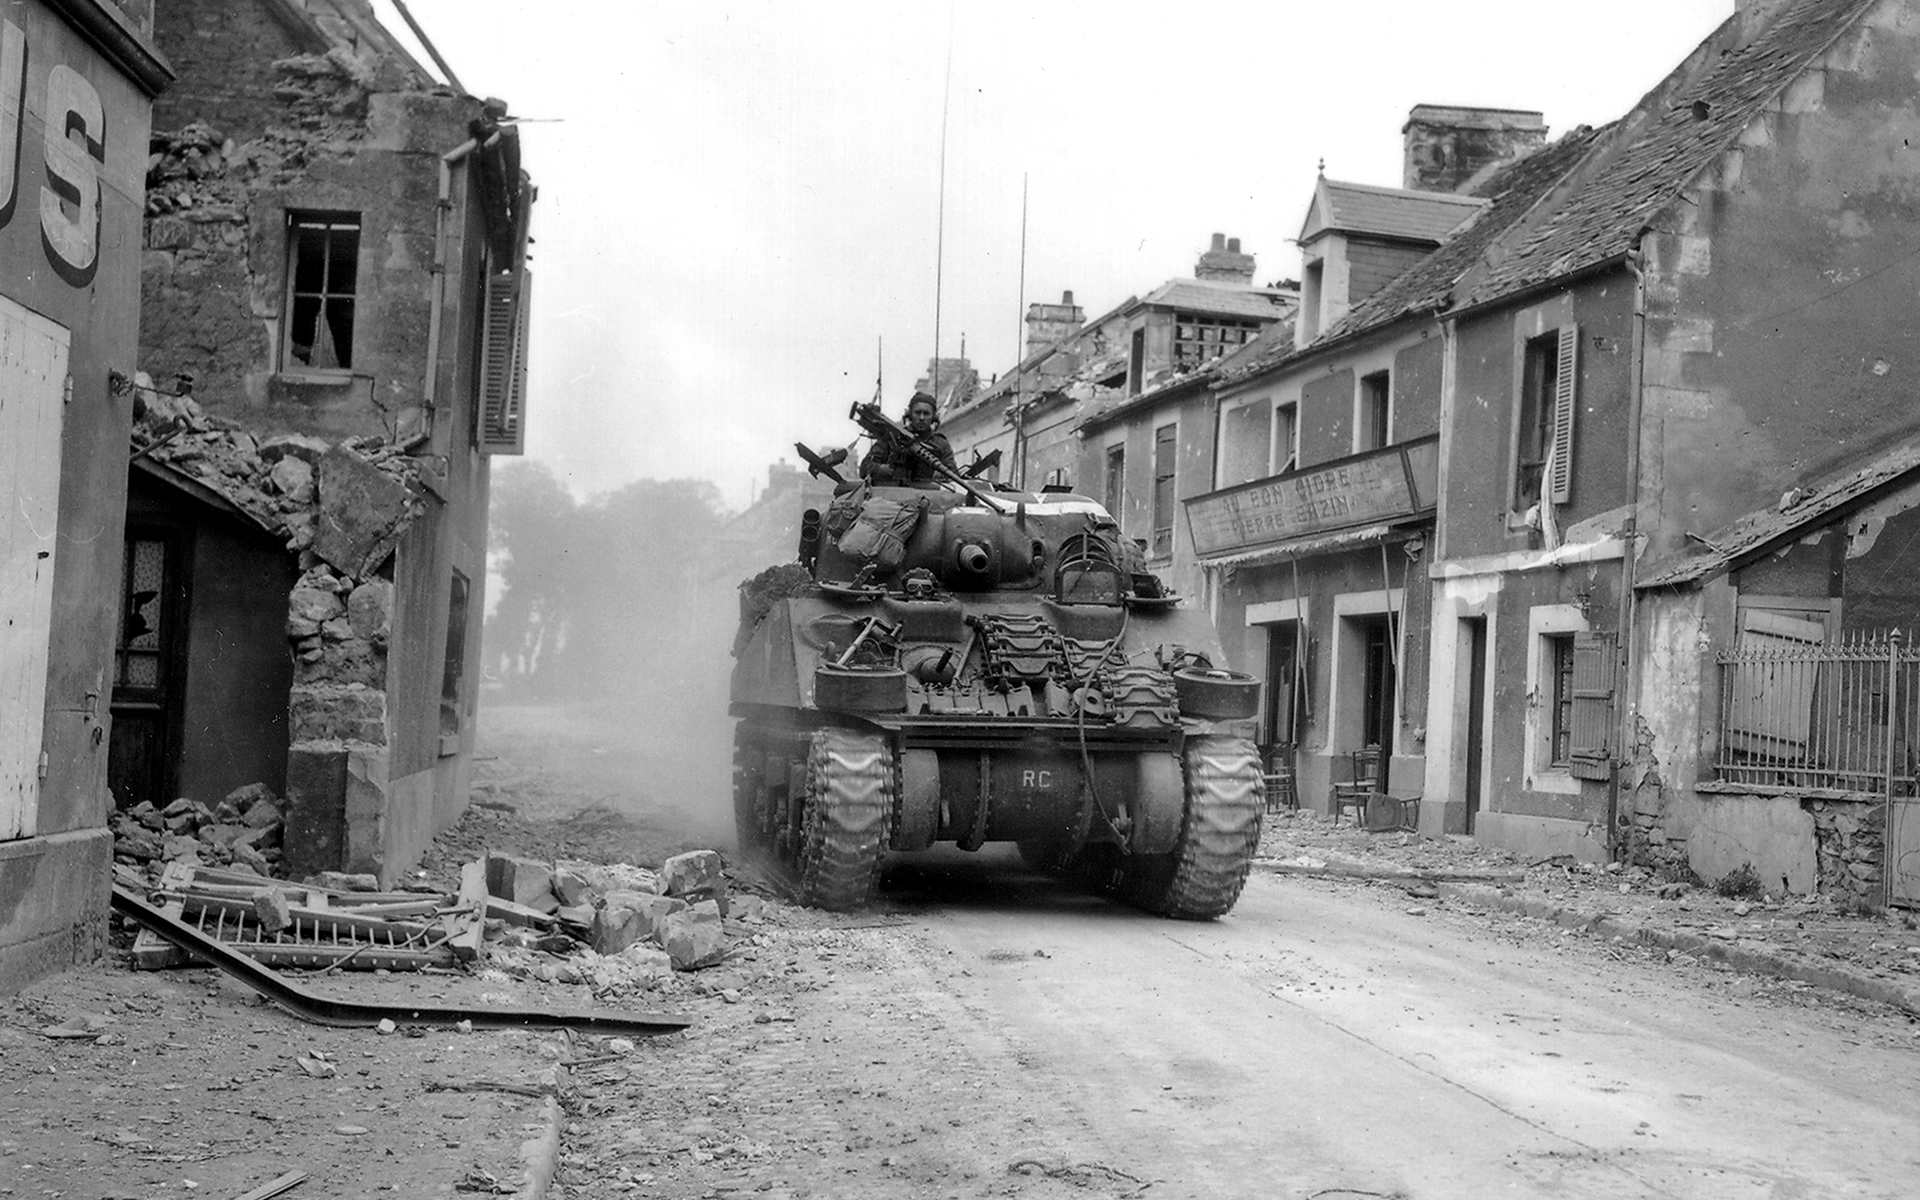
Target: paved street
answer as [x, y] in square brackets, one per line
[1009, 1037]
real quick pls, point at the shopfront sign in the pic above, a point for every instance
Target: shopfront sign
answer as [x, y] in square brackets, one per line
[62, 196]
[1381, 485]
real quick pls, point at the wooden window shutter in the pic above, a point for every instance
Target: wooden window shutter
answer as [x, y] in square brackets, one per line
[1594, 661]
[1566, 373]
[503, 364]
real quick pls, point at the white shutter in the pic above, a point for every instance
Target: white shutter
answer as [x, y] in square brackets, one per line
[1566, 372]
[33, 383]
[503, 363]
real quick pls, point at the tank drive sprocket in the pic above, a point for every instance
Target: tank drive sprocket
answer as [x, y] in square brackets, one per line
[1201, 878]
[848, 810]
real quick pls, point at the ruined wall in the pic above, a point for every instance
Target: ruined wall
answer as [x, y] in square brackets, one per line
[214, 276]
[1444, 148]
[1779, 345]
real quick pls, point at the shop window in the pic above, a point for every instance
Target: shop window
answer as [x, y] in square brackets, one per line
[323, 253]
[1543, 457]
[1164, 453]
[1376, 411]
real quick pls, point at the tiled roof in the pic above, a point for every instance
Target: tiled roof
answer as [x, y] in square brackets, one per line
[1216, 299]
[1386, 212]
[1798, 509]
[1428, 284]
[1680, 128]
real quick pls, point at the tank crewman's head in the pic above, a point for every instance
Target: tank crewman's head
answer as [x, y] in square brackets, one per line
[921, 415]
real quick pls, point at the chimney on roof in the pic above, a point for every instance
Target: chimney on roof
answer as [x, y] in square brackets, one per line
[957, 381]
[1051, 324]
[1223, 261]
[1450, 149]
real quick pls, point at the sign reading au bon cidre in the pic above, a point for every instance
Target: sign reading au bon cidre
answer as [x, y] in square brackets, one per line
[1352, 492]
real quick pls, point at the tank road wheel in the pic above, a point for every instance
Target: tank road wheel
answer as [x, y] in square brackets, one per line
[849, 808]
[1202, 876]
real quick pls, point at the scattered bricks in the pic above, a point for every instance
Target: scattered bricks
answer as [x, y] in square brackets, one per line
[147, 815]
[260, 814]
[271, 909]
[293, 478]
[696, 874]
[369, 610]
[184, 823]
[645, 960]
[311, 605]
[292, 445]
[571, 886]
[628, 917]
[180, 849]
[222, 835]
[521, 880]
[179, 807]
[245, 857]
[138, 845]
[259, 837]
[747, 908]
[694, 937]
[578, 915]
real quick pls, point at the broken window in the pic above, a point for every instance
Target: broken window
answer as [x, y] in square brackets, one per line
[1163, 460]
[1137, 363]
[1376, 410]
[1198, 340]
[323, 252]
[1116, 492]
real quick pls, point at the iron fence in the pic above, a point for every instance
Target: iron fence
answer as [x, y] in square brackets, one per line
[1797, 713]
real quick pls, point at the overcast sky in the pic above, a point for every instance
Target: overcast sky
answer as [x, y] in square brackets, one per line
[738, 201]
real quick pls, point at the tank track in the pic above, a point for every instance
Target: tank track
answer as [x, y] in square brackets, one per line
[849, 811]
[1202, 877]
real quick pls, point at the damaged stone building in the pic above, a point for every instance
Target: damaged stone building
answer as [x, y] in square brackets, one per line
[334, 301]
[80, 79]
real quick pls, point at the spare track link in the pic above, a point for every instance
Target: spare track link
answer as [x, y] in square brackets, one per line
[850, 790]
[1224, 807]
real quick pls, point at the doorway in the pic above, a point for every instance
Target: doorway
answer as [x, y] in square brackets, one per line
[1284, 716]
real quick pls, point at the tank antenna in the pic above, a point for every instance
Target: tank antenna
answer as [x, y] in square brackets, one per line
[1020, 354]
[940, 223]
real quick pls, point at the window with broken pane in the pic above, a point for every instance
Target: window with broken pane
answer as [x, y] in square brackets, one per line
[323, 254]
[1197, 340]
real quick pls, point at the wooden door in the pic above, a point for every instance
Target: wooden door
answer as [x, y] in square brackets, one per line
[33, 386]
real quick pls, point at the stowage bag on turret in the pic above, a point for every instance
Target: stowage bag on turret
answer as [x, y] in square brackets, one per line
[879, 533]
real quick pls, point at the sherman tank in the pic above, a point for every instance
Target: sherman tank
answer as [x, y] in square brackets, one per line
[955, 662]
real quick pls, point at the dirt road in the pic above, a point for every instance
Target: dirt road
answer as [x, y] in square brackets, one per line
[1008, 1037]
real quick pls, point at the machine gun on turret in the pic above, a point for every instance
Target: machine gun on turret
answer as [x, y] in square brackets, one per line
[885, 430]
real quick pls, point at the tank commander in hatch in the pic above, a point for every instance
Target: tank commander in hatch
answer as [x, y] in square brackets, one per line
[894, 462]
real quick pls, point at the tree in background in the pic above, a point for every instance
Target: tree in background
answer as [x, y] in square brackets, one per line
[596, 597]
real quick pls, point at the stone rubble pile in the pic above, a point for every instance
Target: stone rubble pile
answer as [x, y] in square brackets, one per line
[621, 927]
[241, 832]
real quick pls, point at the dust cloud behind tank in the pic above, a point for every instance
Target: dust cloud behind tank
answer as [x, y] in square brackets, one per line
[954, 662]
